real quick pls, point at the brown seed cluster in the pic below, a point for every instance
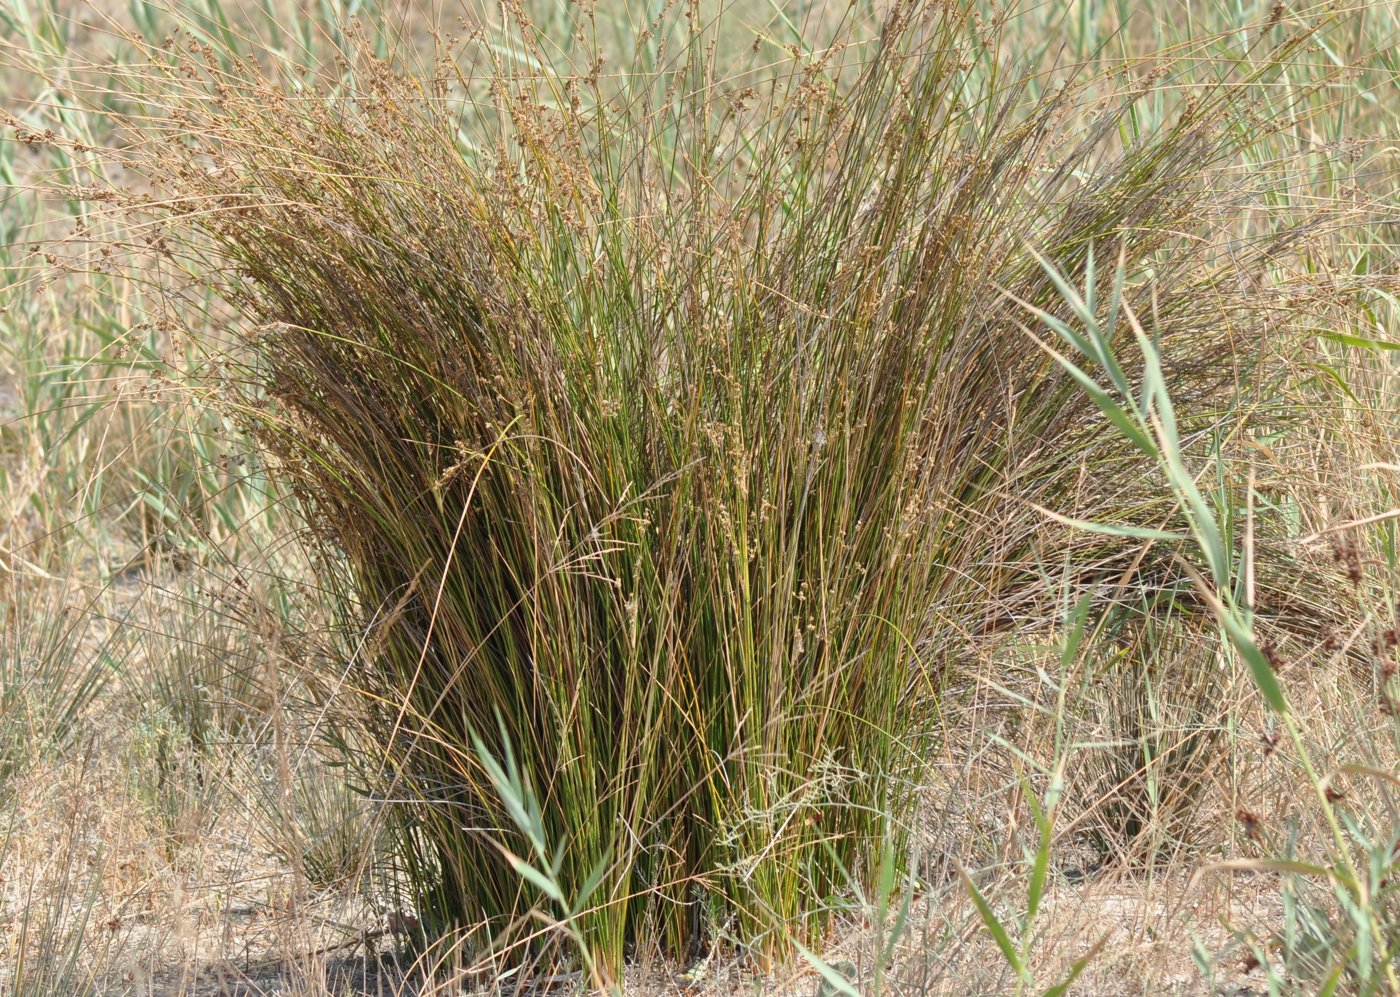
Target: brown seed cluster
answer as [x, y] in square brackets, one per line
[1346, 552]
[1251, 823]
[1381, 642]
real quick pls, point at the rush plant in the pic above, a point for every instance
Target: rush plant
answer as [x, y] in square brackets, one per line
[665, 429]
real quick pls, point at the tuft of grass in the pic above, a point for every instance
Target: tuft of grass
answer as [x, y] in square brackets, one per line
[51, 671]
[670, 427]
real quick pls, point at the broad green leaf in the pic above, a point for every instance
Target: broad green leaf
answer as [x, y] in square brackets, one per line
[994, 927]
[837, 982]
[1075, 625]
[1094, 343]
[1376, 345]
[1062, 988]
[1259, 668]
[1111, 529]
[1040, 868]
[901, 920]
[590, 884]
[1334, 980]
[1106, 405]
[542, 882]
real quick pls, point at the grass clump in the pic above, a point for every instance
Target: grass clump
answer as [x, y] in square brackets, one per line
[670, 430]
[51, 670]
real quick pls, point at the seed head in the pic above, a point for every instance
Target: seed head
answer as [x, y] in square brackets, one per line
[1249, 820]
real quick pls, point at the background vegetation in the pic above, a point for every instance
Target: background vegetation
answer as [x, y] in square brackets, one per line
[840, 498]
